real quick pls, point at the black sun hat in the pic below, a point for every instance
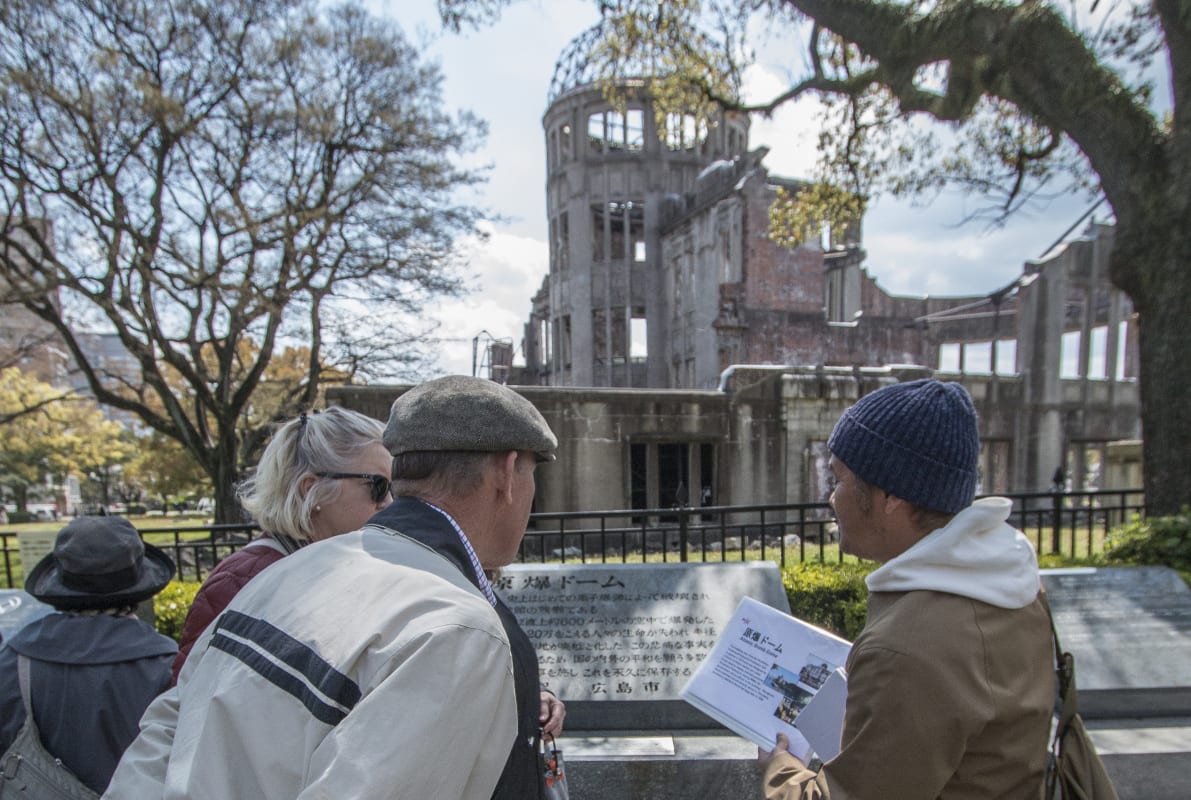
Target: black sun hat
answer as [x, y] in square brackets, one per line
[99, 562]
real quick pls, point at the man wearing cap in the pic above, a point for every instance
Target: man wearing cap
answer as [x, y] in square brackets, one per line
[444, 435]
[92, 667]
[377, 664]
[951, 682]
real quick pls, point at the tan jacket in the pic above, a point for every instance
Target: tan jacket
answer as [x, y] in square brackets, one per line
[948, 697]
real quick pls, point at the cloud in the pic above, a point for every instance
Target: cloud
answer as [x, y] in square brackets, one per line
[509, 271]
[920, 250]
[791, 134]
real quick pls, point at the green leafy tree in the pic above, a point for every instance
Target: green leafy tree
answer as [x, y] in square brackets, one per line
[1011, 100]
[165, 470]
[195, 174]
[23, 395]
[63, 434]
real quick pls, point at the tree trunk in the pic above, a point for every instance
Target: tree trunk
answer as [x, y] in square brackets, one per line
[225, 476]
[1164, 323]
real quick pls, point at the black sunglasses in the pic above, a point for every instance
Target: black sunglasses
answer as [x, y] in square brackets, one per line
[378, 485]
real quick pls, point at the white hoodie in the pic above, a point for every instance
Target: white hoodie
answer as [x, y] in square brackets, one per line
[977, 555]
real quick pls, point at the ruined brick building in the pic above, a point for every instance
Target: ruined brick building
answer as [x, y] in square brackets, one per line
[684, 358]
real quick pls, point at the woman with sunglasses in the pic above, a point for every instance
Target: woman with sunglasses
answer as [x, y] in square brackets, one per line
[322, 475]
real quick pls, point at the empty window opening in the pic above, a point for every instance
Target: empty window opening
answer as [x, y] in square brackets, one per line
[638, 476]
[564, 340]
[544, 341]
[599, 336]
[597, 231]
[638, 333]
[560, 242]
[978, 358]
[1122, 350]
[949, 357]
[616, 130]
[684, 132]
[674, 475]
[1098, 353]
[635, 129]
[620, 337]
[595, 132]
[1006, 357]
[624, 223]
[564, 142]
[1069, 355]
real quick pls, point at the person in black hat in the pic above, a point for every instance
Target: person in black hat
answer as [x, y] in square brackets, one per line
[94, 666]
[951, 682]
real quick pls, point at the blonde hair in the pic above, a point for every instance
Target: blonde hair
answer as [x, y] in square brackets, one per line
[328, 441]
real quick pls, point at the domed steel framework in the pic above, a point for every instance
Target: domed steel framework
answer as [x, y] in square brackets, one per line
[587, 60]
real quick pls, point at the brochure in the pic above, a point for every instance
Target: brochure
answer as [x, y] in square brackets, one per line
[822, 721]
[762, 673]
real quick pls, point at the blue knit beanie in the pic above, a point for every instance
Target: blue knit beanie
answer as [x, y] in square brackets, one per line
[915, 440]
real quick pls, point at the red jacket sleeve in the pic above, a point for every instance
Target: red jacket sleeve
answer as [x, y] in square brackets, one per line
[224, 583]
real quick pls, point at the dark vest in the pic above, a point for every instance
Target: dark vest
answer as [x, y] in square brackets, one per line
[522, 776]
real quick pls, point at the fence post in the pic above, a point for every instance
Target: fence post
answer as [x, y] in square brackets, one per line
[683, 533]
[1056, 534]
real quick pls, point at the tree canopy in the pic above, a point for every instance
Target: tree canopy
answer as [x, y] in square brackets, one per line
[197, 175]
[1029, 98]
[44, 431]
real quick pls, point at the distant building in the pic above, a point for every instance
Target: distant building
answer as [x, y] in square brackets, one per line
[26, 340]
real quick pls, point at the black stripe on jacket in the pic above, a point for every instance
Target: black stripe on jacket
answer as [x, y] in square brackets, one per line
[327, 693]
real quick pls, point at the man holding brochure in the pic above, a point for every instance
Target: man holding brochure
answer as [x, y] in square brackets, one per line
[951, 682]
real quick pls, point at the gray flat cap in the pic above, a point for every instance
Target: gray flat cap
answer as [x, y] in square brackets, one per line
[467, 414]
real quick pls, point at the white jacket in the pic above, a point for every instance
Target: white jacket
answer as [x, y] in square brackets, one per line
[364, 666]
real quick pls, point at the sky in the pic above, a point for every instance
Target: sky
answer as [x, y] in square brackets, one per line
[502, 74]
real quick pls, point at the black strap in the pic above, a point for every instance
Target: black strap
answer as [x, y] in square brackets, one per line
[1065, 673]
[24, 683]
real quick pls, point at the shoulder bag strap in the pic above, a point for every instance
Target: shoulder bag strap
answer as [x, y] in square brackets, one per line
[1065, 672]
[26, 693]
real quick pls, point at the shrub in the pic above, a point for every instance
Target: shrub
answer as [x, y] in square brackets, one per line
[1164, 541]
[170, 607]
[832, 596]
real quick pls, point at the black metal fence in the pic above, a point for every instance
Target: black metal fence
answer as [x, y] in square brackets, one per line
[1072, 524]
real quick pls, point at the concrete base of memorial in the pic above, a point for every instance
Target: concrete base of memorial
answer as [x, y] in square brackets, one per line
[1147, 759]
[688, 765]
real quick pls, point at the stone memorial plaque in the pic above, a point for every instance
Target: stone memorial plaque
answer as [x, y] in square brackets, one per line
[628, 634]
[1129, 629]
[17, 609]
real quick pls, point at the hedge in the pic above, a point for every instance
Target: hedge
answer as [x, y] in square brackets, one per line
[170, 606]
[1164, 541]
[832, 596]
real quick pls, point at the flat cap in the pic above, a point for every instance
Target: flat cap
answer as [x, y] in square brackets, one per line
[461, 413]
